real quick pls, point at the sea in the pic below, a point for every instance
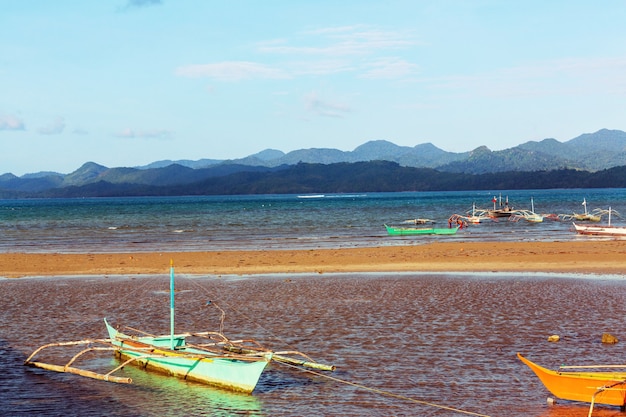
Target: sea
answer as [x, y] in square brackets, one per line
[404, 344]
[140, 224]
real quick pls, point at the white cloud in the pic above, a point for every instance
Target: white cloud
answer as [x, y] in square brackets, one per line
[323, 67]
[342, 41]
[324, 108]
[10, 122]
[55, 127]
[153, 133]
[390, 68]
[335, 30]
[320, 52]
[231, 71]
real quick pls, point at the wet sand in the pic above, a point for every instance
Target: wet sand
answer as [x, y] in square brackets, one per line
[588, 257]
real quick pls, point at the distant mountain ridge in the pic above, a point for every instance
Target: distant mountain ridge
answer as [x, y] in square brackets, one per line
[591, 152]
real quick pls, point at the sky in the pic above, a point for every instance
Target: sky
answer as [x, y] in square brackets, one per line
[125, 83]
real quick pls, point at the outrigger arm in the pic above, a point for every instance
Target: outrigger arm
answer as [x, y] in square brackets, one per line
[67, 368]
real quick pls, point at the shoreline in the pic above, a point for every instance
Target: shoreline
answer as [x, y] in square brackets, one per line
[586, 257]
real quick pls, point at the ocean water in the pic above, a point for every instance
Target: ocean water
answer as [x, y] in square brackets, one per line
[405, 344]
[277, 221]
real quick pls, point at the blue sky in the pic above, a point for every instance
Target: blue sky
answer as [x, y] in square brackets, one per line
[126, 83]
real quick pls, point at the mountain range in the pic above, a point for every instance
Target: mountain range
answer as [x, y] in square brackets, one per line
[589, 152]
[593, 152]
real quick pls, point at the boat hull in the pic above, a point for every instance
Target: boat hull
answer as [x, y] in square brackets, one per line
[406, 231]
[596, 230]
[500, 213]
[153, 353]
[607, 388]
[587, 218]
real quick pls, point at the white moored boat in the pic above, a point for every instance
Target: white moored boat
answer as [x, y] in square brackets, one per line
[601, 230]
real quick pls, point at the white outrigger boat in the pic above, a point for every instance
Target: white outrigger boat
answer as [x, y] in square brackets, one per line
[528, 215]
[601, 230]
[594, 216]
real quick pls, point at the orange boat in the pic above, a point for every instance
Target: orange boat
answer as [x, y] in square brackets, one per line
[583, 383]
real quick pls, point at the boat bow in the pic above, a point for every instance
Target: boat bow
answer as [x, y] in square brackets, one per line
[580, 383]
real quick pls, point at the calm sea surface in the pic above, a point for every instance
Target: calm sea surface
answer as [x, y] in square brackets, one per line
[409, 344]
[276, 221]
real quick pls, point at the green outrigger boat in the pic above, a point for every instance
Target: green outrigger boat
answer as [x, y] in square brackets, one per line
[406, 231]
[214, 360]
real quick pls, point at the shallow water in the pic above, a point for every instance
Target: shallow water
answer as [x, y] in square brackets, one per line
[410, 342]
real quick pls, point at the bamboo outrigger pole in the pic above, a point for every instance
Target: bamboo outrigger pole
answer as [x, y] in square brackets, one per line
[306, 364]
[81, 372]
[70, 369]
[285, 359]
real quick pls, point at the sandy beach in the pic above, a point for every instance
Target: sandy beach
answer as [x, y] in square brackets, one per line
[589, 257]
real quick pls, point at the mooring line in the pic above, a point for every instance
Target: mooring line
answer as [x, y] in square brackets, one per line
[387, 393]
[271, 334]
[376, 390]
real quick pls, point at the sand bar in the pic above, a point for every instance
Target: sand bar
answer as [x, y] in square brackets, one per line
[589, 257]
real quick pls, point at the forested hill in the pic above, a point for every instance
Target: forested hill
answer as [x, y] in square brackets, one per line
[589, 160]
[376, 176]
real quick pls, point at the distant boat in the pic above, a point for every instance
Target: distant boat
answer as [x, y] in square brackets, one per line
[405, 231]
[584, 383]
[500, 213]
[312, 196]
[601, 230]
[474, 216]
[586, 216]
[598, 230]
[504, 211]
[594, 215]
[419, 221]
[528, 215]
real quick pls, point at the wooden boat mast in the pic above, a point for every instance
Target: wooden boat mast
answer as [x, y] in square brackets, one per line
[171, 304]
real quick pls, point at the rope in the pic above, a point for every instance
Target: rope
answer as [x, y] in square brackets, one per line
[387, 393]
[142, 286]
[375, 390]
[271, 334]
[128, 296]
